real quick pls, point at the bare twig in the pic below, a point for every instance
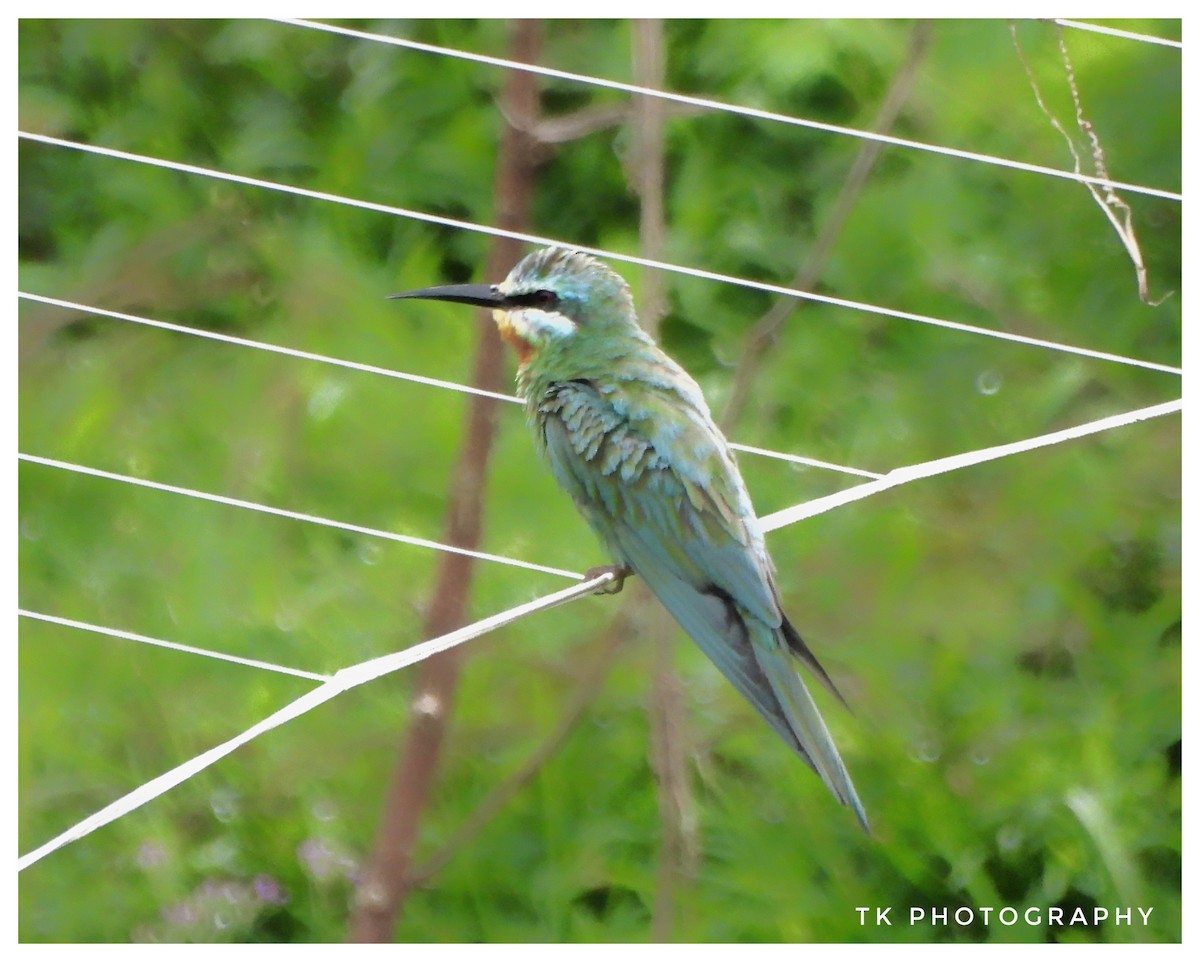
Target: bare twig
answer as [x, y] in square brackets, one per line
[767, 328]
[385, 884]
[645, 169]
[680, 848]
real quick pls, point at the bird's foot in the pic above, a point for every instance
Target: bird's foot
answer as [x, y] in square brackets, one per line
[619, 573]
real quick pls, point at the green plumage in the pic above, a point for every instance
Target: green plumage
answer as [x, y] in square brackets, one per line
[629, 437]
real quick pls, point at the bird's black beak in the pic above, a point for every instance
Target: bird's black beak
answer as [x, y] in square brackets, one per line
[481, 295]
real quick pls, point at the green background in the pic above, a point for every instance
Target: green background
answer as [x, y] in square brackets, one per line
[1008, 636]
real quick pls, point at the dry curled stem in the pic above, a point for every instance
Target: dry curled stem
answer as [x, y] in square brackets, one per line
[1115, 209]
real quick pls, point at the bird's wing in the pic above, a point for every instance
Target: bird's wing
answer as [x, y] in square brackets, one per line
[655, 479]
[649, 457]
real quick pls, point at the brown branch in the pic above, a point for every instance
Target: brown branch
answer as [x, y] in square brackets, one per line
[385, 884]
[585, 691]
[765, 331]
[648, 182]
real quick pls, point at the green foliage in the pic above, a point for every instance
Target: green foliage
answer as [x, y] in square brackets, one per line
[1008, 636]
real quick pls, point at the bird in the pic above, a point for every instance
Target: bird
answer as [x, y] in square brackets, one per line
[628, 435]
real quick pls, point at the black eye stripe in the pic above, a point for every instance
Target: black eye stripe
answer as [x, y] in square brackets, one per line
[542, 299]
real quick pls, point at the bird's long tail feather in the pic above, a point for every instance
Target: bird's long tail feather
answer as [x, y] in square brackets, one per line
[760, 662]
[803, 717]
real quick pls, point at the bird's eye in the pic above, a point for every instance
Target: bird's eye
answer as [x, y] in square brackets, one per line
[543, 300]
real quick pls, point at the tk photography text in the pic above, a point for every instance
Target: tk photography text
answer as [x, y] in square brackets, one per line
[1034, 915]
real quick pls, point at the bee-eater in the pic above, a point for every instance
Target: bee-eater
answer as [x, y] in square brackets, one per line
[630, 438]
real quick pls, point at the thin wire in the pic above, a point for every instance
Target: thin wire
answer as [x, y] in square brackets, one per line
[344, 680]
[388, 372]
[173, 645]
[264, 346]
[611, 255]
[294, 515]
[810, 462]
[953, 463]
[375, 668]
[1124, 34]
[728, 108]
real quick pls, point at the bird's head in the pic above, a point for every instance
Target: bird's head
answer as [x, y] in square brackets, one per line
[552, 298]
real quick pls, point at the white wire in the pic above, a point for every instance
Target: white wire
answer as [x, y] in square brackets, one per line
[611, 255]
[173, 645]
[706, 103]
[344, 680]
[810, 462]
[387, 372]
[264, 346]
[929, 468]
[1124, 34]
[294, 515]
